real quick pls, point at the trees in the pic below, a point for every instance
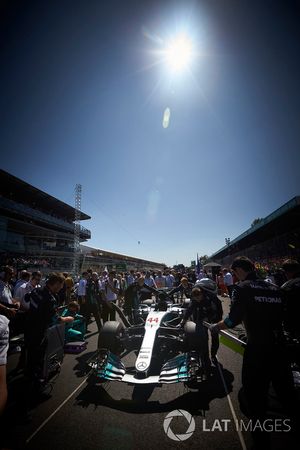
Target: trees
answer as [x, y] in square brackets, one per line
[256, 221]
[203, 259]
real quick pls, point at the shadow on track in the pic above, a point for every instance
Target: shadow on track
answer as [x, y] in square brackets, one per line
[81, 368]
[194, 401]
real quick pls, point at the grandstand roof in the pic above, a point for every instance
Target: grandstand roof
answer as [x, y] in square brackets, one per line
[20, 191]
[91, 250]
[284, 219]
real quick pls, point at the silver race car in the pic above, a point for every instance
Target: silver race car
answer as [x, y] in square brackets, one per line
[164, 351]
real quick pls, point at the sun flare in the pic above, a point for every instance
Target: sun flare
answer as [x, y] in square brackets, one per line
[179, 53]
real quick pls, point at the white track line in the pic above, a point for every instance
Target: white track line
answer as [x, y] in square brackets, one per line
[54, 412]
[241, 437]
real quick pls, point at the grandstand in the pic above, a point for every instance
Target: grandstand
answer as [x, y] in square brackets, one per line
[36, 229]
[37, 233]
[275, 237]
[99, 259]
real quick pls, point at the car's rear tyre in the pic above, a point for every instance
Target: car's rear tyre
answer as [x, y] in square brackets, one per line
[109, 336]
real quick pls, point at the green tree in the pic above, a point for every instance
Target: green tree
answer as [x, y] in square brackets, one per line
[256, 221]
[203, 259]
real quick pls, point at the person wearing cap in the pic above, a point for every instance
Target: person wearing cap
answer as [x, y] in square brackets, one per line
[258, 304]
[205, 306]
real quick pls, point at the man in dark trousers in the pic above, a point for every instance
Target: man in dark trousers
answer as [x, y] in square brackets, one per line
[258, 304]
[93, 298]
[133, 296]
[41, 315]
[205, 306]
[291, 296]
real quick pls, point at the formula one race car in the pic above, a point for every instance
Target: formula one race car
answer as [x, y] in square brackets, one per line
[164, 352]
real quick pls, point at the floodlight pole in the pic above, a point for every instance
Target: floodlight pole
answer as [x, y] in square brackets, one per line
[78, 190]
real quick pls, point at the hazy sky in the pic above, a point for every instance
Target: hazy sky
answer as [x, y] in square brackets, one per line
[84, 86]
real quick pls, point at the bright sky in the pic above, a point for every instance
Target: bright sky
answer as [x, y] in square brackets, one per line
[173, 157]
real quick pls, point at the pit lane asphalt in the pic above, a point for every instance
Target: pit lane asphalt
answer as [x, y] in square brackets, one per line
[82, 415]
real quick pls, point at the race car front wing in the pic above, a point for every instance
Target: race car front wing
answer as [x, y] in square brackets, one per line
[109, 367]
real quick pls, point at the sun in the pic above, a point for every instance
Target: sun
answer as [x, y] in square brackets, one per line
[179, 53]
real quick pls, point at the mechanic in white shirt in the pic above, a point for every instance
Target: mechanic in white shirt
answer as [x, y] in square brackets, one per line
[25, 288]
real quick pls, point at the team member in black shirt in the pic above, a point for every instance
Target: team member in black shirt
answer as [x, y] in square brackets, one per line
[205, 306]
[185, 287]
[41, 315]
[134, 295]
[291, 296]
[258, 304]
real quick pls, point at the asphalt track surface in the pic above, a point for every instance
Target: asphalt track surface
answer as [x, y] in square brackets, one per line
[79, 414]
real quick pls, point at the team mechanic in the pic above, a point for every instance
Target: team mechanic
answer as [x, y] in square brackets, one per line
[259, 306]
[41, 315]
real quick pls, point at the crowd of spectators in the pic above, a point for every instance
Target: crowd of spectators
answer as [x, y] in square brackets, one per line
[93, 294]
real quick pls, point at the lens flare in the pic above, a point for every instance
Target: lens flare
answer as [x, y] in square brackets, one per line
[179, 53]
[166, 118]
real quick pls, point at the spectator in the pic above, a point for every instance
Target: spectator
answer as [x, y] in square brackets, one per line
[201, 275]
[228, 281]
[185, 288]
[69, 286]
[130, 278]
[104, 276]
[27, 287]
[4, 334]
[81, 294]
[221, 284]
[110, 291]
[160, 280]
[93, 295]
[24, 278]
[169, 280]
[122, 287]
[8, 305]
[149, 280]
